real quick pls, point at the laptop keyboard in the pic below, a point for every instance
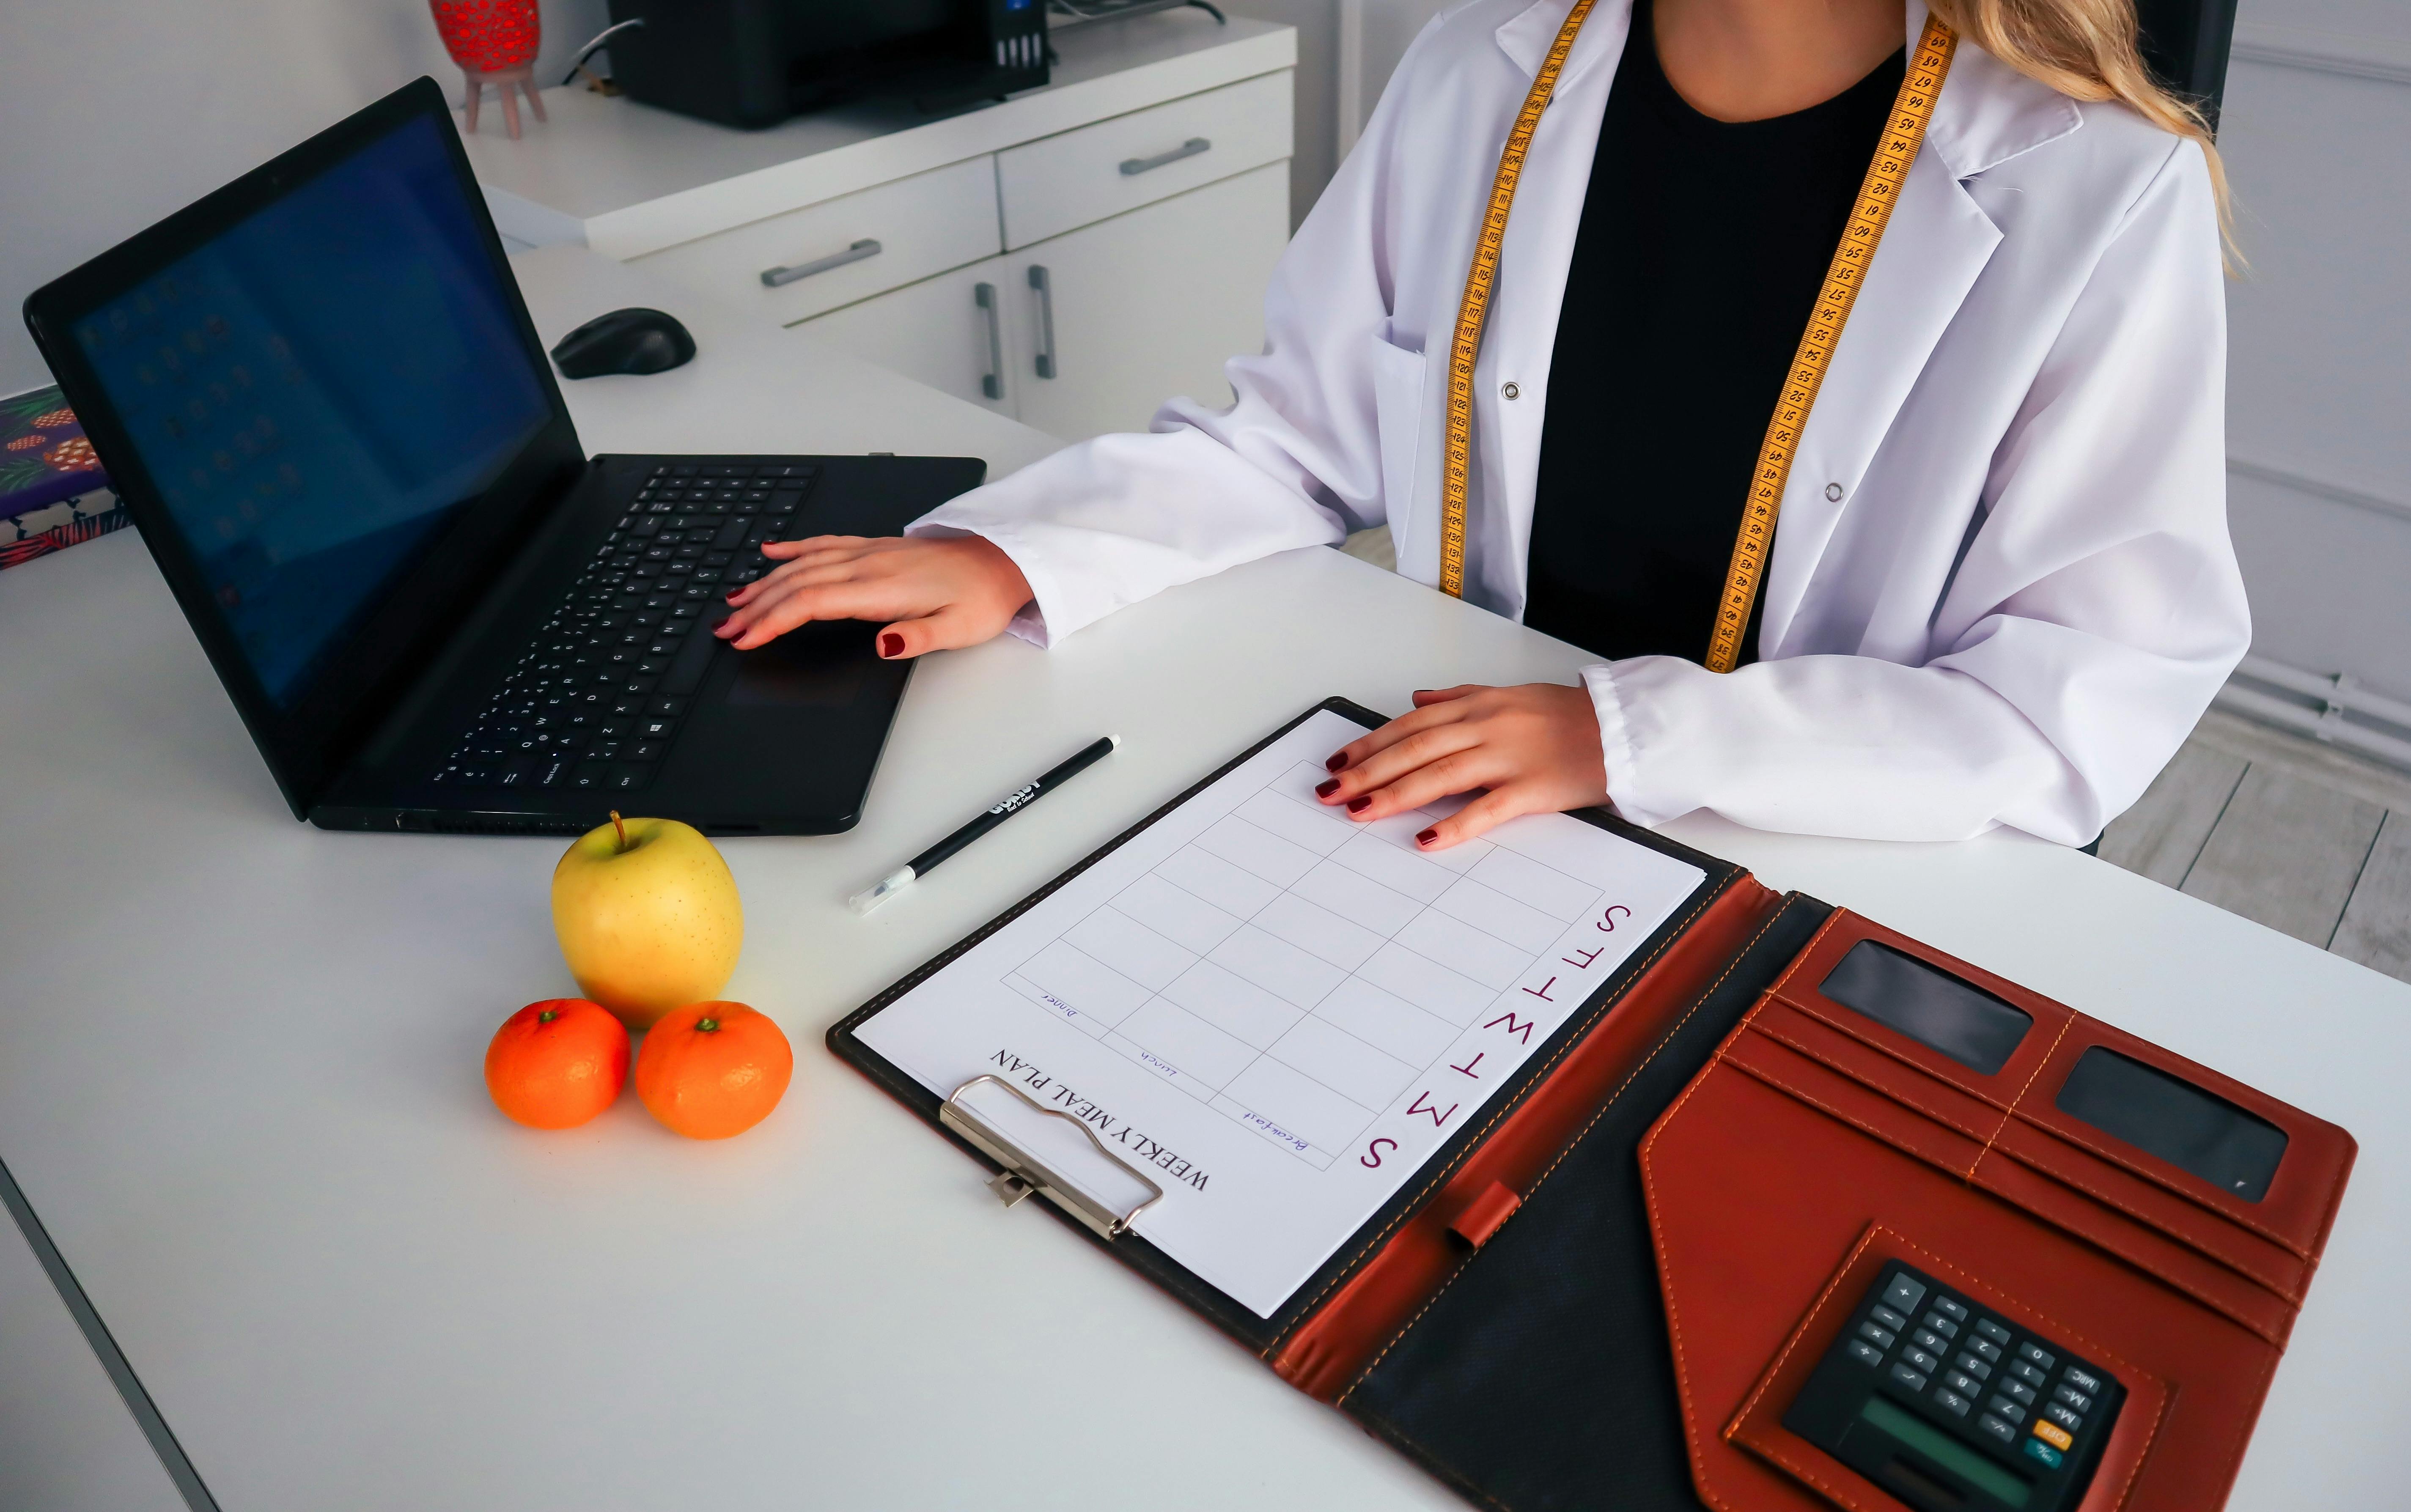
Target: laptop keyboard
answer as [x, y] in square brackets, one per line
[598, 699]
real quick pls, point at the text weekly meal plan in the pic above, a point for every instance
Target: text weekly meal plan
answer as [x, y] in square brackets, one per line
[1276, 1013]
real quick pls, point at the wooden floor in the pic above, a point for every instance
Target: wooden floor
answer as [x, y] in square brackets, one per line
[2285, 831]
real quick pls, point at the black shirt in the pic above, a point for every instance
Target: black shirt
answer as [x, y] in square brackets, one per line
[1702, 247]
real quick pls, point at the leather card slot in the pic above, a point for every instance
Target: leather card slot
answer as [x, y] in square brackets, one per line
[1758, 1426]
[2177, 1266]
[1878, 1070]
[2301, 1203]
[1798, 988]
[2247, 1253]
[1868, 1110]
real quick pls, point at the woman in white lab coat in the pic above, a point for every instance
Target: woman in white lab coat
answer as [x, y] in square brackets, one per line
[2001, 589]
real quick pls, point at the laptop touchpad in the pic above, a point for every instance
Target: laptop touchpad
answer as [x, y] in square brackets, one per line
[820, 665]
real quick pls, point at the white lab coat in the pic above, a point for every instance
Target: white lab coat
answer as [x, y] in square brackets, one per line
[2002, 589]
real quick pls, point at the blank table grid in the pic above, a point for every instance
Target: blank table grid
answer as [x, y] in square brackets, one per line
[1297, 969]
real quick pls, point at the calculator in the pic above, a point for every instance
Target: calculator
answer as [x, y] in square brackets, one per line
[1952, 1408]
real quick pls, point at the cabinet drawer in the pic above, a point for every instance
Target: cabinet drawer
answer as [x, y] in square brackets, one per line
[920, 226]
[1059, 183]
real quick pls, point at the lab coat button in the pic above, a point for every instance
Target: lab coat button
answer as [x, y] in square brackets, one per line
[1510, 390]
[1833, 492]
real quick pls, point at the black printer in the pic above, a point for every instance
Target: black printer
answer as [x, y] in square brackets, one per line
[754, 62]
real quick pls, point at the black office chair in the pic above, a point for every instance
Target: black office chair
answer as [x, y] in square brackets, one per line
[2186, 43]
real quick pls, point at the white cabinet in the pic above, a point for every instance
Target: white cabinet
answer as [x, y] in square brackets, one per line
[793, 266]
[1059, 182]
[952, 332]
[1147, 305]
[1089, 331]
[1124, 219]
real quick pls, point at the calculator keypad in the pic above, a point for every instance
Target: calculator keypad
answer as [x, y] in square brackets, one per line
[1978, 1377]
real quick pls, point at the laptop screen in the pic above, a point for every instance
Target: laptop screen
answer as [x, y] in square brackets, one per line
[319, 389]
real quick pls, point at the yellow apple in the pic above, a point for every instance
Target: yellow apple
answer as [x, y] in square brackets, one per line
[648, 917]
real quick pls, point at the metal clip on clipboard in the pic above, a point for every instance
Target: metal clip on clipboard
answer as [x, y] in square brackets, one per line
[1025, 1172]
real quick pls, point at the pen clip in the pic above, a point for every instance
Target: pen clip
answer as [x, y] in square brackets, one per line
[1025, 1173]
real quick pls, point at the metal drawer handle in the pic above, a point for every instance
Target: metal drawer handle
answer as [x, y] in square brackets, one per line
[774, 277]
[1045, 288]
[992, 381]
[1190, 147]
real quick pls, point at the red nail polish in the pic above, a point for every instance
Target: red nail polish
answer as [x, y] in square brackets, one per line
[1427, 836]
[1336, 762]
[733, 592]
[1357, 805]
[891, 644]
[1324, 790]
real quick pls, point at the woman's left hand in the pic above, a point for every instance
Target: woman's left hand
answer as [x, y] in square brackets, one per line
[1535, 747]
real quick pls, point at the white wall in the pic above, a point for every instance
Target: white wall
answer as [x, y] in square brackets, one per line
[117, 112]
[1345, 50]
[2317, 138]
[1316, 152]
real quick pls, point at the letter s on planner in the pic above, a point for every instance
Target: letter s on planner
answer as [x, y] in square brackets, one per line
[1371, 1158]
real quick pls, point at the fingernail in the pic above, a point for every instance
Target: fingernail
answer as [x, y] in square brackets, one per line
[1336, 762]
[1427, 836]
[733, 593]
[1420, 691]
[1358, 804]
[1324, 790]
[891, 644]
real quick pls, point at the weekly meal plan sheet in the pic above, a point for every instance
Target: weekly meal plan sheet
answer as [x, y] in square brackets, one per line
[1276, 1013]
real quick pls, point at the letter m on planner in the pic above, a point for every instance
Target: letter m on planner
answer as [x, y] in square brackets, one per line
[1520, 1028]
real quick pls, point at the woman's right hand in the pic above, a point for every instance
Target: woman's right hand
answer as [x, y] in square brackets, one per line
[935, 593]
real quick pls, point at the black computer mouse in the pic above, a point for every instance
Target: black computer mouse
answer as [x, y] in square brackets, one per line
[635, 341]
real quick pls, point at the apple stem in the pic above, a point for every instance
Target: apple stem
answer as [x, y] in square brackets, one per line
[621, 828]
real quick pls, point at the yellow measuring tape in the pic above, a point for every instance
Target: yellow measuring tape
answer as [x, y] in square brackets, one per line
[1902, 133]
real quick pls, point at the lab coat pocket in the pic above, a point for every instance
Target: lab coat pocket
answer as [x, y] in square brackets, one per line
[1398, 409]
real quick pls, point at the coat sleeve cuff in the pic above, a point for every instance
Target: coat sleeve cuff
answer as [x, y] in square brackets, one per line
[1616, 747]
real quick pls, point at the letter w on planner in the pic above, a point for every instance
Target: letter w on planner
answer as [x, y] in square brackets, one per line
[1520, 1028]
[1423, 1105]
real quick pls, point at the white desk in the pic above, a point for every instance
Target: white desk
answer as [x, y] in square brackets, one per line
[244, 1094]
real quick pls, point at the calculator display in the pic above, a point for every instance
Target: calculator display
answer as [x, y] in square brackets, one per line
[1950, 1408]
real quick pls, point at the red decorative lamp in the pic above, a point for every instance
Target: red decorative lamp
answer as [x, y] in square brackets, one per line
[494, 42]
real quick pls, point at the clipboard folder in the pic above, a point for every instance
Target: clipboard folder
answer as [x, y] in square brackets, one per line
[1603, 1290]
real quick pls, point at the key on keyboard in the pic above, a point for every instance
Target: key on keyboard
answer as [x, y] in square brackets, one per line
[598, 698]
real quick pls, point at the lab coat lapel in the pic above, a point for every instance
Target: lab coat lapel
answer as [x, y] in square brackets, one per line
[1519, 337]
[1935, 246]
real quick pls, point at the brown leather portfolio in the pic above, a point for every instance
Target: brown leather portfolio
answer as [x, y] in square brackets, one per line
[1823, 1141]
[1501, 1320]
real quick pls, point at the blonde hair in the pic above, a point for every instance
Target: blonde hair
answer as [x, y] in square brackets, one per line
[2086, 50]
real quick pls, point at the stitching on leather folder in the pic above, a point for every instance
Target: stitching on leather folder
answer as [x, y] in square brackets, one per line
[1811, 1053]
[1347, 1271]
[1832, 1284]
[2152, 1178]
[1730, 967]
[2012, 1111]
[1649, 1185]
[2207, 1249]
[2089, 1232]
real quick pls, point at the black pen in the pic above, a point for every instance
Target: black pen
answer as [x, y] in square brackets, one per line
[1011, 804]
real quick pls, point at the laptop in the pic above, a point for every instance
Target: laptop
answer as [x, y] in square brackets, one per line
[320, 396]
